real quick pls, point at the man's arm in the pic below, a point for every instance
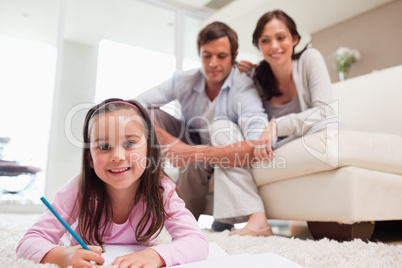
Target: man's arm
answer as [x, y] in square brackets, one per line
[164, 138]
[234, 155]
[238, 154]
[181, 154]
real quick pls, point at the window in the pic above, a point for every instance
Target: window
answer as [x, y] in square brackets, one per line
[191, 57]
[107, 49]
[125, 71]
[28, 71]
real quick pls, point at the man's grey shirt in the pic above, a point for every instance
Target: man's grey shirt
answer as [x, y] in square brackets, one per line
[238, 100]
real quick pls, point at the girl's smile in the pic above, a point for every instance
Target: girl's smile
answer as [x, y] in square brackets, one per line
[119, 171]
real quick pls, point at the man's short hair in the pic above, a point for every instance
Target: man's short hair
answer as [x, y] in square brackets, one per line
[217, 30]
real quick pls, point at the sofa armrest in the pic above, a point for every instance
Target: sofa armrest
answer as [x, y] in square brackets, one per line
[329, 150]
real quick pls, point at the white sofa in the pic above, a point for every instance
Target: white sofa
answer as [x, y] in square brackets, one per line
[341, 181]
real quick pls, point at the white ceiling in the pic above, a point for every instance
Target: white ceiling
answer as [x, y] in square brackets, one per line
[89, 20]
[310, 16]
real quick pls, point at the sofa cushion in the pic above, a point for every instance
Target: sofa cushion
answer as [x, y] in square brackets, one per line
[329, 150]
[344, 195]
[371, 102]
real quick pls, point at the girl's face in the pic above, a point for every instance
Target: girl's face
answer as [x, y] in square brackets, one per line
[118, 148]
[276, 43]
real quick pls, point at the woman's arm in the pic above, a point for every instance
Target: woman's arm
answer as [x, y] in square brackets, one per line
[246, 66]
[315, 93]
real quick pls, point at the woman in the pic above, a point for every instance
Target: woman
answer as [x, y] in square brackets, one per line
[295, 87]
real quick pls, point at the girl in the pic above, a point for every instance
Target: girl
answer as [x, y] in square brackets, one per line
[295, 87]
[121, 197]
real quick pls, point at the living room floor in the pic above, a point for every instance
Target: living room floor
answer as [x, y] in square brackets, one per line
[299, 229]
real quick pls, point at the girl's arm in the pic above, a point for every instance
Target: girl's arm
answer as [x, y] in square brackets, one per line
[74, 256]
[143, 258]
[188, 245]
[188, 242]
[41, 242]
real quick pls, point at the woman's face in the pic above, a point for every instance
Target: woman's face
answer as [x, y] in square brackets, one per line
[276, 43]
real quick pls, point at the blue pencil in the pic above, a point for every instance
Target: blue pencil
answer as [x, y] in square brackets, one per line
[55, 213]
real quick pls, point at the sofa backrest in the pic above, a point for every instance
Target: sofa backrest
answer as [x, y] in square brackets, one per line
[371, 102]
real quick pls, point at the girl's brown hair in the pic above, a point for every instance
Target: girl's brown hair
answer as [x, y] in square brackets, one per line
[263, 73]
[93, 201]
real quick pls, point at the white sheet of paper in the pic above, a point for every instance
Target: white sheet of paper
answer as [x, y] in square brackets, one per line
[217, 258]
[113, 251]
[215, 251]
[243, 260]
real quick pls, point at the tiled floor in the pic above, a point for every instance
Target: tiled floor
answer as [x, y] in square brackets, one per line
[300, 230]
[389, 237]
[282, 228]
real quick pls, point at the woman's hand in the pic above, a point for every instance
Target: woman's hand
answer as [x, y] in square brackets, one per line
[147, 258]
[246, 66]
[76, 256]
[263, 148]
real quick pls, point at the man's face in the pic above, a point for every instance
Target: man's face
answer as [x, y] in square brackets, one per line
[216, 60]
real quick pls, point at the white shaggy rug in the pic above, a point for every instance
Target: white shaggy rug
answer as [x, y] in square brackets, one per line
[308, 253]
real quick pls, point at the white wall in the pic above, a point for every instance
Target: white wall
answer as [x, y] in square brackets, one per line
[76, 86]
[376, 34]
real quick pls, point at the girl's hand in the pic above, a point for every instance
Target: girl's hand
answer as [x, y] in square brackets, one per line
[76, 256]
[263, 148]
[246, 66]
[147, 258]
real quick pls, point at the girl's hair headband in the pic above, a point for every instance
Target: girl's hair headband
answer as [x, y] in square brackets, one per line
[113, 102]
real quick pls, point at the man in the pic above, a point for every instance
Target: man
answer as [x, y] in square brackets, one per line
[221, 118]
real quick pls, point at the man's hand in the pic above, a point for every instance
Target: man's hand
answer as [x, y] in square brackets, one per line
[263, 148]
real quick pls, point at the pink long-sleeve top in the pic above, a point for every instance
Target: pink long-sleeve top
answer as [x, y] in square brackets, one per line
[188, 242]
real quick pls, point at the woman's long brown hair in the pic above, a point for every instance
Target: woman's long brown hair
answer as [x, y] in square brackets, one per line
[94, 204]
[263, 73]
